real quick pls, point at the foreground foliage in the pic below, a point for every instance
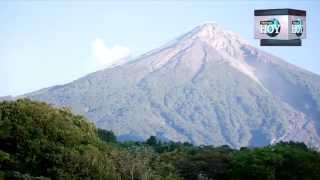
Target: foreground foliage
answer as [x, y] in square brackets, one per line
[38, 141]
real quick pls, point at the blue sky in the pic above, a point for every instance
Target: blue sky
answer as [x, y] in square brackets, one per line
[44, 44]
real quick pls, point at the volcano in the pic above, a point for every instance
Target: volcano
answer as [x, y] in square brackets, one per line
[207, 87]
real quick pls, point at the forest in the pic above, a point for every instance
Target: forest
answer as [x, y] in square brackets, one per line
[39, 141]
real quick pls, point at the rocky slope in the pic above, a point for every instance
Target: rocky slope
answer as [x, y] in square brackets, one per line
[208, 86]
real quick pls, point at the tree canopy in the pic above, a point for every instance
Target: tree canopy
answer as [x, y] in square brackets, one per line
[38, 141]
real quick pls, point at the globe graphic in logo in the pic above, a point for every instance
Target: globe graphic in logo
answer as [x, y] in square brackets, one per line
[299, 27]
[272, 27]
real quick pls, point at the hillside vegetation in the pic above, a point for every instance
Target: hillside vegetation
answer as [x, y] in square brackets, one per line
[208, 86]
[38, 141]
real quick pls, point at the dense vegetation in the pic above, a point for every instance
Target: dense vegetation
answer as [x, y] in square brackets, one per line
[38, 141]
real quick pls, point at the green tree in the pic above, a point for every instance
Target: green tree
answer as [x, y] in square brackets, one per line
[38, 140]
[152, 141]
[107, 136]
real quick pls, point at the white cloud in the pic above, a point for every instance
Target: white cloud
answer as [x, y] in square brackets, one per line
[108, 56]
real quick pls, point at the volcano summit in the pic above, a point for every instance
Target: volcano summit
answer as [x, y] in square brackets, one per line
[208, 86]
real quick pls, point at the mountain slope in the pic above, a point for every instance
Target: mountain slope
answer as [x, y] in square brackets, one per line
[209, 86]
